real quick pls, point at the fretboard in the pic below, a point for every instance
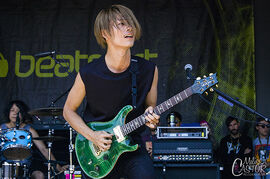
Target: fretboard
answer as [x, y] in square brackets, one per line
[139, 121]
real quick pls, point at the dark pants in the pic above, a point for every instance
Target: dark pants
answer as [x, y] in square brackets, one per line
[132, 165]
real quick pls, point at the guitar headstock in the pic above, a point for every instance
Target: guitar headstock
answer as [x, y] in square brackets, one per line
[202, 84]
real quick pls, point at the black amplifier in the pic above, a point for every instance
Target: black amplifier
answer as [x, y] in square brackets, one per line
[183, 150]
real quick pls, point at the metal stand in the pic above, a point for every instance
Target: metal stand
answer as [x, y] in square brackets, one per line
[71, 149]
[234, 101]
[49, 153]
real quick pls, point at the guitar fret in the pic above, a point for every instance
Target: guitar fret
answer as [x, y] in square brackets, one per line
[170, 102]
[180, 97]
[139, 121]
[125, 129]
[143, 118]
[176, 99]
[165, 106]
[142, 121]
[136, 123]
[122, 130]
[185, 93]
[126, 126]
[132, 125]
[161, 108]
[128, 129]
[158, 110]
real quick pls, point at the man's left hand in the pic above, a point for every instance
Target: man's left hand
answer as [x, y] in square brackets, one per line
[152, 118]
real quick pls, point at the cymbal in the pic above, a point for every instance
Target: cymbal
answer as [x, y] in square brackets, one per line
[51, 111]
[50, 138]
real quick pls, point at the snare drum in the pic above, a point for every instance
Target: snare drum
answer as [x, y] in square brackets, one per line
[16, 144]
[13, 171]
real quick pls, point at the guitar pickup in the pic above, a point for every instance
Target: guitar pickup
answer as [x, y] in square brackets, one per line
[118, 134]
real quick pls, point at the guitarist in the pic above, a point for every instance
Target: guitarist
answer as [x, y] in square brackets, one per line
[107, 85]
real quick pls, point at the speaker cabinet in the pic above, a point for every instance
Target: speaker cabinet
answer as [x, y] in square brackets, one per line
[187, 171]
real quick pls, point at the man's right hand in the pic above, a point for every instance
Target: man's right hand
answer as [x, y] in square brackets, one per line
[247, 151]
[102, 140]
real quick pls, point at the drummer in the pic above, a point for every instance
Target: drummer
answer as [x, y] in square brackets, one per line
[11, 112]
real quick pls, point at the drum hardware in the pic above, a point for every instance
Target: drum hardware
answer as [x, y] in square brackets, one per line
[16, 144]
[50, 111]
[18, 120]
[50, 132]
[49, 138]
[14, 170]
[54, 112]
[71, 149]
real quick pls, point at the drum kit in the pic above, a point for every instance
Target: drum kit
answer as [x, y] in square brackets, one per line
[16, 147]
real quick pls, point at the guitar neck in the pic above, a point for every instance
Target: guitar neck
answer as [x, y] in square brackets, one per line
[139, 121]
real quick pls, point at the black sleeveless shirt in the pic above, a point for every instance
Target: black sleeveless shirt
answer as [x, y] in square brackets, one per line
[107, 92]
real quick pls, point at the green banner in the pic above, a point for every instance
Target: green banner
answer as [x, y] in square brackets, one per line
[212, 35]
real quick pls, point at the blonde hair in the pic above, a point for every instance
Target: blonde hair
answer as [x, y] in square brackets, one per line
[106, 18]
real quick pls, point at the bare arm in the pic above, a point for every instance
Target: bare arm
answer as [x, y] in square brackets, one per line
[74, 100]
[151, 101]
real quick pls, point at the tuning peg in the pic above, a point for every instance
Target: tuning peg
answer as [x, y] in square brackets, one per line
[206, 93]
[211, 89]
[217, 85]
[204, 76]
[198, 78]
[210, 74]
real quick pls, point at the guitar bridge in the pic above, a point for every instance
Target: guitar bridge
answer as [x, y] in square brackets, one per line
[97, 150]
[118, 134]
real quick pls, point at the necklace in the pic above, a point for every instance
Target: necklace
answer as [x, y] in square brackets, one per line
[237, 145]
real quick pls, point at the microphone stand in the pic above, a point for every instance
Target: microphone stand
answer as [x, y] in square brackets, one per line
[63, 94]
[71, 145]
[18, 120]
[240, 104]
[49, 155]
[59, 97]
[234, 101]
[190, 76]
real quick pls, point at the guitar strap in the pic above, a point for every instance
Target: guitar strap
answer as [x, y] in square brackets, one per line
[134, 72]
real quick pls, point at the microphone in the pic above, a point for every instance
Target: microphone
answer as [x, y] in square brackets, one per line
[18, 120]
[45, 54]
[188, 69]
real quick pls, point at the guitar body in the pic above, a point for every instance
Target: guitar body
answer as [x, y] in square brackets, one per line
[98, 164]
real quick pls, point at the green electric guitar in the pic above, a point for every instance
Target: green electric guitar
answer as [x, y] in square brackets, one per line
[98, 164]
